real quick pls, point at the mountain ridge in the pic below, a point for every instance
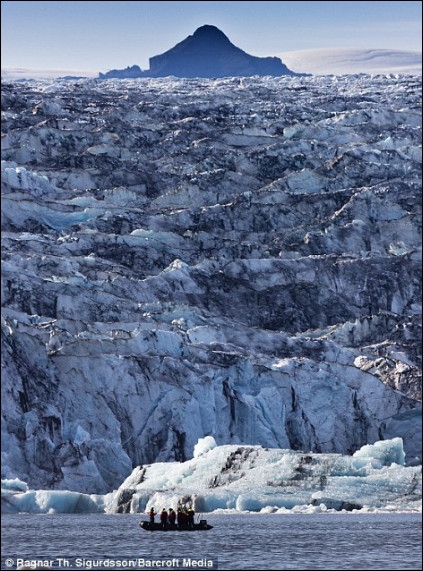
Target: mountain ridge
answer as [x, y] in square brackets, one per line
[206, 53]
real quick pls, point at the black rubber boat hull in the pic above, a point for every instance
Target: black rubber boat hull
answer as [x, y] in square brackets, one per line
[201, 526]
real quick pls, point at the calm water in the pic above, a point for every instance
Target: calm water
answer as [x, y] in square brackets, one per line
[258, 541]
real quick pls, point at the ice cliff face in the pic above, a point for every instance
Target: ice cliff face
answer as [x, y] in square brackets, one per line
[238, 258]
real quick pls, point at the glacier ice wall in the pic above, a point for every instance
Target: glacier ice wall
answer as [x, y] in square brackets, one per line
[239, 258]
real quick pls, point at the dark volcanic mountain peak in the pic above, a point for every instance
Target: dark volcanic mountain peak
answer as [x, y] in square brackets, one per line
[210, 33]
[204, 41]
[209, 53]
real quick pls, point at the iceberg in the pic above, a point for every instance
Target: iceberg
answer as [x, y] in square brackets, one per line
[47, 502]
[246, 478]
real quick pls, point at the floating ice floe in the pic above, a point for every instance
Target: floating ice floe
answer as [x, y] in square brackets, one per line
[246, 478]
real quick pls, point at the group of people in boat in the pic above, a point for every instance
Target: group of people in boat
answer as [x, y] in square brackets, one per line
[170, 519]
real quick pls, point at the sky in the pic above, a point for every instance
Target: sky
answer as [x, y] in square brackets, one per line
[100, 36]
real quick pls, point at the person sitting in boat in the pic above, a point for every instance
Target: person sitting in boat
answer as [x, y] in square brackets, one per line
[190, 518]
[163, 518]
[172, 517]
[152, 513]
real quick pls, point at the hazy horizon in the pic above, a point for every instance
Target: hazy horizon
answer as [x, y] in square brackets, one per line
[317, 62]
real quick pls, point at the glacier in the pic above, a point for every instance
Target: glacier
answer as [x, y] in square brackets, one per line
[246, 478]
[236, 258]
